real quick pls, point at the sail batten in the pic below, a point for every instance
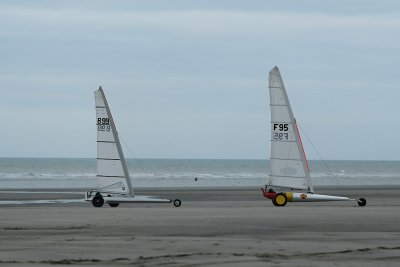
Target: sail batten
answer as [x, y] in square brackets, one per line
[287, 176]
[110, 176]
[288, 165]
[283, 159]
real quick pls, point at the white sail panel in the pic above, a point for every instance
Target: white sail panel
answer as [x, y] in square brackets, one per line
[109, 167]
[107, 150]
[292, 183]
[118, 185]
[276, 94]
[285, 150]
[279, 114]
[112, 172]
[288, 166]
[98, 98]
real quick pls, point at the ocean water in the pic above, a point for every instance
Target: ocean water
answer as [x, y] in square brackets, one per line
[59, 173]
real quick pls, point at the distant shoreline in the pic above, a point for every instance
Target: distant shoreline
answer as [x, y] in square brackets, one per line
[227, 159]
[206, 188]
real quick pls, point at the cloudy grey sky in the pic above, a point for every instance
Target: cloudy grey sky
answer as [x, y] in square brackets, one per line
[188, 79]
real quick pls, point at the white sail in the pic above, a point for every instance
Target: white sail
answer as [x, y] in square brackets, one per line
[112, 172]
[288, 164]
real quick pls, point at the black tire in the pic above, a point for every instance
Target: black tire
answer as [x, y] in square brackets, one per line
[280, 200]
[113, 205]
[273, 202]
[177, 203]
[98, 201]
[362, 202]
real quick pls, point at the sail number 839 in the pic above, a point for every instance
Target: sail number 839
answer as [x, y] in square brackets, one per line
[103, 124]
[280, 131]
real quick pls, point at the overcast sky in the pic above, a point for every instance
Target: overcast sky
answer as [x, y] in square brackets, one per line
[188, 79]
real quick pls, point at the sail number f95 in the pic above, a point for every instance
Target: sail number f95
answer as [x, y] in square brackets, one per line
[280, 131]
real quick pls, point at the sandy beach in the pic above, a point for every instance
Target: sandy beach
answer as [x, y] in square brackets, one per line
[213, 227]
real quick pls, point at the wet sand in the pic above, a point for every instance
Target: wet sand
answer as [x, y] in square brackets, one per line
[213, 227]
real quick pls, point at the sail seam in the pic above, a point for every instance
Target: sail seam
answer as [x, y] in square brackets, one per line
[107, 159]
[110, 176]
[287, 176]
[284, 141]
[106, 142]
[278, 105]
[286, 159]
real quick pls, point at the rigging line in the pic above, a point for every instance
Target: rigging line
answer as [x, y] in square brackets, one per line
[133, 155]
[319, 155]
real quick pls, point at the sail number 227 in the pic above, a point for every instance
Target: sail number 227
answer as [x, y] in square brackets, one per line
[280, 131]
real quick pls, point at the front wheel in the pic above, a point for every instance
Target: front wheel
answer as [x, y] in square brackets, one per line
[280, 200]
[362, 202]
[113, 205]
[98, 201]
[177, 203]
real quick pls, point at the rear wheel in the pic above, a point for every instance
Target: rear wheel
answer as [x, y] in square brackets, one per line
[177, 203]
[98, 200]
[362, 202]
[280, 200]
[113, 205]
